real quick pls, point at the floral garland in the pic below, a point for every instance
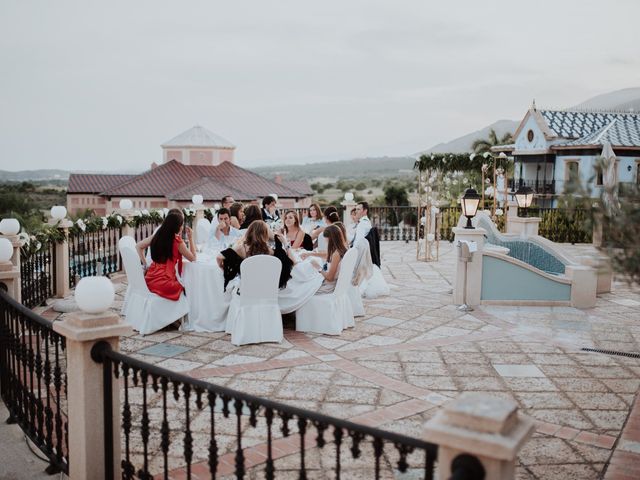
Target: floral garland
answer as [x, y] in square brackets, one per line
[52, 234]
[458, 162]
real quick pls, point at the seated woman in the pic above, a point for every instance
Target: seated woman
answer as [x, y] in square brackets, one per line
[269, 211]
[332, 218]
[255, 242]
[237, 215]
[294, 234]
[336, 248]
[167, 250]
[251, 214]
[313, 219]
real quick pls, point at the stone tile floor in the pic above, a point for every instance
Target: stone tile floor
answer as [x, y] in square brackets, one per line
[412, 352]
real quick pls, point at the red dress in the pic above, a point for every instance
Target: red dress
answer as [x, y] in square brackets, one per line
[161, 277]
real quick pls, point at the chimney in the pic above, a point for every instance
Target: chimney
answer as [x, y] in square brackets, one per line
[153, 165]
[278, 179]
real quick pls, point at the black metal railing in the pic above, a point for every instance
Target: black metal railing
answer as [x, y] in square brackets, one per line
[38, 274]
[145, 230]
[450, 217]
[33, 379]
[160, 410]
[539, 186]
[395, 223]
[93, 253]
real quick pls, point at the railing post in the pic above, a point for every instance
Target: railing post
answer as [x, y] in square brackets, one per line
[348, 205]
[62, 261]
[478, 437]
[86, 392]
[473, 267]
[10, 271]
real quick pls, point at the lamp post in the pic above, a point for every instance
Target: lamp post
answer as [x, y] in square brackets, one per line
[470, 201]
[524, 197]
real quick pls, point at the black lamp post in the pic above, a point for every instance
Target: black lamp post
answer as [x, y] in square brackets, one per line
[470, 201]
[524, 197]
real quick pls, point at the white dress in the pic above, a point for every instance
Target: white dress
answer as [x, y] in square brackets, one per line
[309, 225]
[304, 283]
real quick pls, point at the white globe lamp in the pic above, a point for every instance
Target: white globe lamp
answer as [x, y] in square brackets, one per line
[126, 204]
[94, 294]
[274, 196]
[9, 226]
[197, 200]
[6, 250]
[216, 206]
[348, 197]
[58, 212]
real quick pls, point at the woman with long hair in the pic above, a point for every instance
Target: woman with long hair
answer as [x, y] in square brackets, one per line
[336, 248]
[291, 230]
[167, 249]
[251, 214]
[313, 219]
[237, 215]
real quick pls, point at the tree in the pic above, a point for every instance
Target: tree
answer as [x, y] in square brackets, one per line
[360, 186]
[396, 196]
[482, 145]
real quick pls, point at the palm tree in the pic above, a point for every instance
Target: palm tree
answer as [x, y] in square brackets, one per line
[484, 145]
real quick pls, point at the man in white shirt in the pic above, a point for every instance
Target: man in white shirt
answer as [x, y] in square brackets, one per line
[364, 224]
[224, 235]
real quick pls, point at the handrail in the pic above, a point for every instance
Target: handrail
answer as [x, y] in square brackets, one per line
[30, 314]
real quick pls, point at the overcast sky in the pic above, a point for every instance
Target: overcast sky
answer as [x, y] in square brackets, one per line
[100, 85]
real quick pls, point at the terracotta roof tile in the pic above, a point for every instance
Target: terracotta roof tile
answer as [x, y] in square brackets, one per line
[211, 190]
[300, 186]
[159, 181]
[95, 182]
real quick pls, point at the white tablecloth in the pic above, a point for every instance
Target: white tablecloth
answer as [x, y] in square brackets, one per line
[204, 287]
[203, 282]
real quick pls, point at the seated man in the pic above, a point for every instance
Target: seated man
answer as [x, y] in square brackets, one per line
[223, 235]
[364, 224]
[269, 212]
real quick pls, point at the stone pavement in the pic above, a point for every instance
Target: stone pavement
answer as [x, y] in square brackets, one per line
[412, 352]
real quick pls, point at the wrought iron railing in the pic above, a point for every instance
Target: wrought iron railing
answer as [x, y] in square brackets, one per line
[38, 274]
[395, 223]
[94, 253]
[33, 379]
[244, 433]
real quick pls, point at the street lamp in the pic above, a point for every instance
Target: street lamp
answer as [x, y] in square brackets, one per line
[470, 201]
[524, 197]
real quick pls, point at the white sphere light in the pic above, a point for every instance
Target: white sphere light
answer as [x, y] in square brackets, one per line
[6, 250]
[58, 212]
[126, 204]
[216, 206]
[274, 196]
[348, 197]
[9, 226]
[197, 199]
[94, 294]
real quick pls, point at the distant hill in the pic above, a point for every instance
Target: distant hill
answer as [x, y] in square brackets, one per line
[26, 175]
[463, 144]
[354, 168]
[626, 99]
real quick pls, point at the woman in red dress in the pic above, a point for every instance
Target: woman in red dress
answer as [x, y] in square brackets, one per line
[167, 250]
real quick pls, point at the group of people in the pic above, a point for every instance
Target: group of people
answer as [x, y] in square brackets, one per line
[239, 232]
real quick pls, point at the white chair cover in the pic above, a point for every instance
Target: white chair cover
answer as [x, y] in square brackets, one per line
[130, 242]
[254, 314]
[146, 311]
[203, 228]
[330, 313]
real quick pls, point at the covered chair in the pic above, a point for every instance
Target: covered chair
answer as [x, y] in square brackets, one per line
[330, 313]
[203, 229]
[126, 241]
[146, 312]
[254, 314]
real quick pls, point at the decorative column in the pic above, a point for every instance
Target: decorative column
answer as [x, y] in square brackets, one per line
[473, 267]
[85, 388]
[62, 261]
[477, 433]
[523, 226]
[348, 204]
[9, 273]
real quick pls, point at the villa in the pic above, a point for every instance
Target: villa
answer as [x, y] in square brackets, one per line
[195, 162]
[553, 147]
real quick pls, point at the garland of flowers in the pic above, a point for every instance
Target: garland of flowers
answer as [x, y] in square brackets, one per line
[458, 162]
[53, 234]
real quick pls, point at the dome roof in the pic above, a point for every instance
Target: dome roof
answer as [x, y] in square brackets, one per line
[198, 137]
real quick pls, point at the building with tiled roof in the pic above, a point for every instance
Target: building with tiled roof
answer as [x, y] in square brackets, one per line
[552, 147]
[204, 166]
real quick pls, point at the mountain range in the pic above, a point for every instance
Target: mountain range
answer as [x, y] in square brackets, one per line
[627, 99]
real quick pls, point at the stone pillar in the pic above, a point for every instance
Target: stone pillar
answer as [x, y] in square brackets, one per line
[127, 230]
[473, 267]
[346, 214]
[479, 425]
[584, 285]
[10, 278]
[523, 226]
[62, 261]
[602, 265]
[85, 392]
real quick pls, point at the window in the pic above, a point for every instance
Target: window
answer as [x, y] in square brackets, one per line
[599, 176]
[530, 136]
[572, 171]
[638, 172]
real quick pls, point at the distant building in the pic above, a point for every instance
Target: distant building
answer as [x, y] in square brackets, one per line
[195, 162]
[554, 146]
